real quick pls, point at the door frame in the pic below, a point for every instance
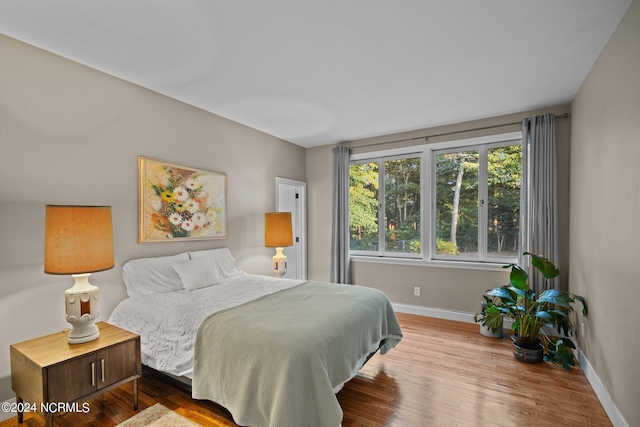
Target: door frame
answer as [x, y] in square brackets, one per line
[301, 219]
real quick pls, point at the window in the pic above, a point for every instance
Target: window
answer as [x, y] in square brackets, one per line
[363, 207]
[384, 206]
[470, 190]
[477, 202]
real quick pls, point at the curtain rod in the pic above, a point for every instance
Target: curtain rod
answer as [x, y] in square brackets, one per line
[426, 137]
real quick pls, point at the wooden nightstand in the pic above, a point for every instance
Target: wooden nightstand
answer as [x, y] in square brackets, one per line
[48, 371]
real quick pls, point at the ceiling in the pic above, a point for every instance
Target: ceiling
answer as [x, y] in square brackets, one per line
[319, 72]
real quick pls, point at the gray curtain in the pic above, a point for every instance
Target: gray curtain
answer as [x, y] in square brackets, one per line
[340, 263]
[539, 215]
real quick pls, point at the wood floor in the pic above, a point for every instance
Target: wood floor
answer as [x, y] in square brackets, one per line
[443, 373]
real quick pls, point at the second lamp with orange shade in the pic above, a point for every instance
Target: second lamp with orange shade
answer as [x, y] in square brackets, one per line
[278, 234]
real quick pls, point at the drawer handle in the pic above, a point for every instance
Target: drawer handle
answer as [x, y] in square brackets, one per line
[93, 374]
[102, 368]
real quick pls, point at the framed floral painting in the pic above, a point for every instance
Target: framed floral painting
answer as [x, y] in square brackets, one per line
[180, 203]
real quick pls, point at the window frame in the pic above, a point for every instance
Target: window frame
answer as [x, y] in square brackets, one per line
[427, 153]
[483, 205]
[382, 246]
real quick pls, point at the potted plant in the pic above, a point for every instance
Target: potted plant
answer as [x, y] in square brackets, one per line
[535, 316]
[490, 319]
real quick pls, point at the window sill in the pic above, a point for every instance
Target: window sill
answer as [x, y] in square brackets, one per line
[460, 265]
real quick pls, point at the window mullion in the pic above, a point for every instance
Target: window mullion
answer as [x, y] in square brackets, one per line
[426, 205]
[381, 208]
[482, 203]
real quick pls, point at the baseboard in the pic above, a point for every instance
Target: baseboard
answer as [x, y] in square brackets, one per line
[603, 395]
[438, 313]
[5, 415]
[601, 392]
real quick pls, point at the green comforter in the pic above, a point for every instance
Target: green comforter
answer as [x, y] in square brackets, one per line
[280, 359]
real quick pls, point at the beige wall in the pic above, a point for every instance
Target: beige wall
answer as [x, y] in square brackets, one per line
[72, 135]
[319, 181]
[442, 288]
[69, 134]
[605, 213]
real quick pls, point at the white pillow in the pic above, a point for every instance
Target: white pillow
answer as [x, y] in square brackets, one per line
[148, 276]
[220, 258]
[197, 273]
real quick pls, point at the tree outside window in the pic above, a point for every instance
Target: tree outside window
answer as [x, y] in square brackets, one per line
[402, 205]
[393, 203]
[471, 189]
[363, 207]
[478, 218]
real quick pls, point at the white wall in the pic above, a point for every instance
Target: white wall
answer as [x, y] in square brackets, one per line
[72, 135]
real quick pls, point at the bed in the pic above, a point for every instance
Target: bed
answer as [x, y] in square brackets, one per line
[274, 352]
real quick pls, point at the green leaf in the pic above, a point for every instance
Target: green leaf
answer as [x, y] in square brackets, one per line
[546, 267]
[560, 353]
[493, 319]
[557, 297]
[519, 292]
[518, 278]
[567, 342]
[548, 317]
[504, 310]
[558, 313]
[503, 293]
[157, 190]
[584, 304]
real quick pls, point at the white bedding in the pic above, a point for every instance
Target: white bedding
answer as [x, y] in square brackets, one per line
[168, 322]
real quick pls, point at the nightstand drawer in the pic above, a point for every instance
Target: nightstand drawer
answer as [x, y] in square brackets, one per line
[117, 363]
[71, 380]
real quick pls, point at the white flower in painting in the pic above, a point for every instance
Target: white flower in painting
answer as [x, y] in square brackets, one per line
[199, 220]
[192, 206]
[211, 216]
[187, 225]
[175, 219]
[180, 193]
[192, 184]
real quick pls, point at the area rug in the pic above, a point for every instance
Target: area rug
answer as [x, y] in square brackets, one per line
[158, 415]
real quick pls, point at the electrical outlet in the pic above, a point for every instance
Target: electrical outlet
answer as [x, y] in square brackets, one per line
[416, 291]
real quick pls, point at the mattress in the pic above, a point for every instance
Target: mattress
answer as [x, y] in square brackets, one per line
[168, 322]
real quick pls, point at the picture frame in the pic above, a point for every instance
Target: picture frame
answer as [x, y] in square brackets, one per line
[178, 203]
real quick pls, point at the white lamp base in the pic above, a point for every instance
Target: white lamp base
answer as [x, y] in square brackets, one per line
[83, 333]
[279, 263]
[81, 304]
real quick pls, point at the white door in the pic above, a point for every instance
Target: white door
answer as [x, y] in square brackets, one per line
[291, 196]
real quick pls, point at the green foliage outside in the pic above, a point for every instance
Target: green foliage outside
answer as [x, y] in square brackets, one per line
[504, 182]
[402, 206]
[457, 198]
[446, 247]
[456, 210]
[363, 206]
